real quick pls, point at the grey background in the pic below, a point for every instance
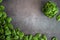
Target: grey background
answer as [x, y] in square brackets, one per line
[28, 17]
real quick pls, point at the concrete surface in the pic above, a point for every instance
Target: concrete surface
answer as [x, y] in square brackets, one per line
[28, 17]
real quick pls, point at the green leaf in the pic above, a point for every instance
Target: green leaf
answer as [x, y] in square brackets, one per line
[13, 32]
[44, 37]
[38, 35]
[2, 37]
[50, 8]
[10, 26]
[16, 37]
[58, 18]
[8, 19]
[4, 15]
[1, 14]
[8, 37]
[21, 34]
[1, 1]
[35, 38]
[6, 27]
[1, 30]
[53, 38]
[41, 39]
[30, 37]
[2, 8]
[25, 38]
[7, 32]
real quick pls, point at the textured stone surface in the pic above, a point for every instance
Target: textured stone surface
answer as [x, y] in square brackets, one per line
[28, 17]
